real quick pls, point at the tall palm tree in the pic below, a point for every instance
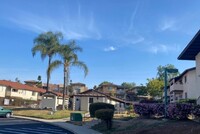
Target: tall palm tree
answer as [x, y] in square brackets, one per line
[69, 59]
[47, 44]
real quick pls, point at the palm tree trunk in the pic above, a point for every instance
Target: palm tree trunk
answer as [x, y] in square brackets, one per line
[48, 74]
[64, 88]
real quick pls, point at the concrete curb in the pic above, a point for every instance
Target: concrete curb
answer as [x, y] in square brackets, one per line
[45, 121]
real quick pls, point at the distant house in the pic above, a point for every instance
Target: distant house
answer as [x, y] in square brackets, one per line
[9, 89]
[112, 90]
[52, 100]
[83, 100]
[187, 85]
[78, 88]
[184, 86]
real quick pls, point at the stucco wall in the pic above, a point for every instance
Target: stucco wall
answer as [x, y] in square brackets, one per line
[2, 91]
[24, 94]
[198, 73]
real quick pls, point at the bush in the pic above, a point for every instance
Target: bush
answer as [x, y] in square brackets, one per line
[149, 109]
[105, 115]
[192, 101]
[99, 105]
[196, 110]
[179, 111]
[150, 101]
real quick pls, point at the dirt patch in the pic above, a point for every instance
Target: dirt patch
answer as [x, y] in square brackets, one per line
[151, 126]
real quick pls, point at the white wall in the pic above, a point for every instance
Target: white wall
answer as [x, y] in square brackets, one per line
[198, 73]
[24, 94]
[48, 103]
[2, 91]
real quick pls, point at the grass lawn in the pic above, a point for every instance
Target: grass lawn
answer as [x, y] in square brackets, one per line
[43, 114]
[150, 126]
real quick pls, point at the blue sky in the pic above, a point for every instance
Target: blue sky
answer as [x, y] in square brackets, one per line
[122, 40]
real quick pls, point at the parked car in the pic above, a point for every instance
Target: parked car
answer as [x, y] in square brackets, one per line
[5, 112]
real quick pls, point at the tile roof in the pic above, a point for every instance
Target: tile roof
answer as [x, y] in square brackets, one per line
[18, 85]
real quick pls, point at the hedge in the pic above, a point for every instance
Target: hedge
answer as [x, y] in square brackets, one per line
[174, 111]
[99, 105]
[105, 115]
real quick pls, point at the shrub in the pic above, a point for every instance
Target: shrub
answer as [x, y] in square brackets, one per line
[99, 105]
[105, 115]
[196, 110]
[192, 101]
[149, 109]
[179, 111]
[150, 101]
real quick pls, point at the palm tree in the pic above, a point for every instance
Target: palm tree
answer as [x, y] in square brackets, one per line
[69, 59]
[47, 44]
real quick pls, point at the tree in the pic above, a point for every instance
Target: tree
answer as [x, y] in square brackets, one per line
[128, 85]
[17, 80]
[47, 44]
[142, 90]
[105, 82]
[161, 72]
[39, 82]
[154, 87]
[69, 58]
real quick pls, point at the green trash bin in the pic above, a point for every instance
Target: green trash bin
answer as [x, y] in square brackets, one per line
[76, 117]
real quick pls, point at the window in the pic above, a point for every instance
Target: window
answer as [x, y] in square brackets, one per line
[185, 79]
[33, 93]
[181, 82]
[15, 90]
[90, 100]
[109, 88]
[185, 95]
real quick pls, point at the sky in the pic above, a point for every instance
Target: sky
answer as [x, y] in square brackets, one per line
[122, 40]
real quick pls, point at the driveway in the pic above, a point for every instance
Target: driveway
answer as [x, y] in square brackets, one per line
[23, 126]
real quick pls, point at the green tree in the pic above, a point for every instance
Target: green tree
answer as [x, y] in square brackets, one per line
[105, 82]
[155, 87]
[128, 85]
[161, 72]
[47, 43]
[142, 90]
[69, 58]
[39, 81]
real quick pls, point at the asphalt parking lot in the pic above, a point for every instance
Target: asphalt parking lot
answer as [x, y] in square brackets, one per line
[22, 126]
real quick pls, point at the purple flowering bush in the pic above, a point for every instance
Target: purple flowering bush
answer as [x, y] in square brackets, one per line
[179, 111]
[196, 110]
[174, 111]
[149, 109]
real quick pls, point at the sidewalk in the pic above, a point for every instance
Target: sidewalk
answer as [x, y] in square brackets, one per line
[62, 123]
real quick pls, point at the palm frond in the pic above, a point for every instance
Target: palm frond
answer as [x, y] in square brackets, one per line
[55, 64]
[81, 65]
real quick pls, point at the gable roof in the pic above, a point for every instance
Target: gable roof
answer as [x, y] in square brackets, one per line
[95, 93]
[78, 84]
[192, 49]
[55, 93]
[182, 74]
[18, 85]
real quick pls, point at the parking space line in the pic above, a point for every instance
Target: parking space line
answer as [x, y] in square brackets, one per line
[51, 131]
[27, 131]
[48, 128]
[7, 131]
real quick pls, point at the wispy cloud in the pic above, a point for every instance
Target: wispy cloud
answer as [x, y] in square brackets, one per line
[133, 16]
[111, 48]
[168, 24]
[73, 27]
[164, 48]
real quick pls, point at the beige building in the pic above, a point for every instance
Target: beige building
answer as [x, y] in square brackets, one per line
[77, 88]
[52, 100]
[187, 85]
[9, 89]
[83, 100]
